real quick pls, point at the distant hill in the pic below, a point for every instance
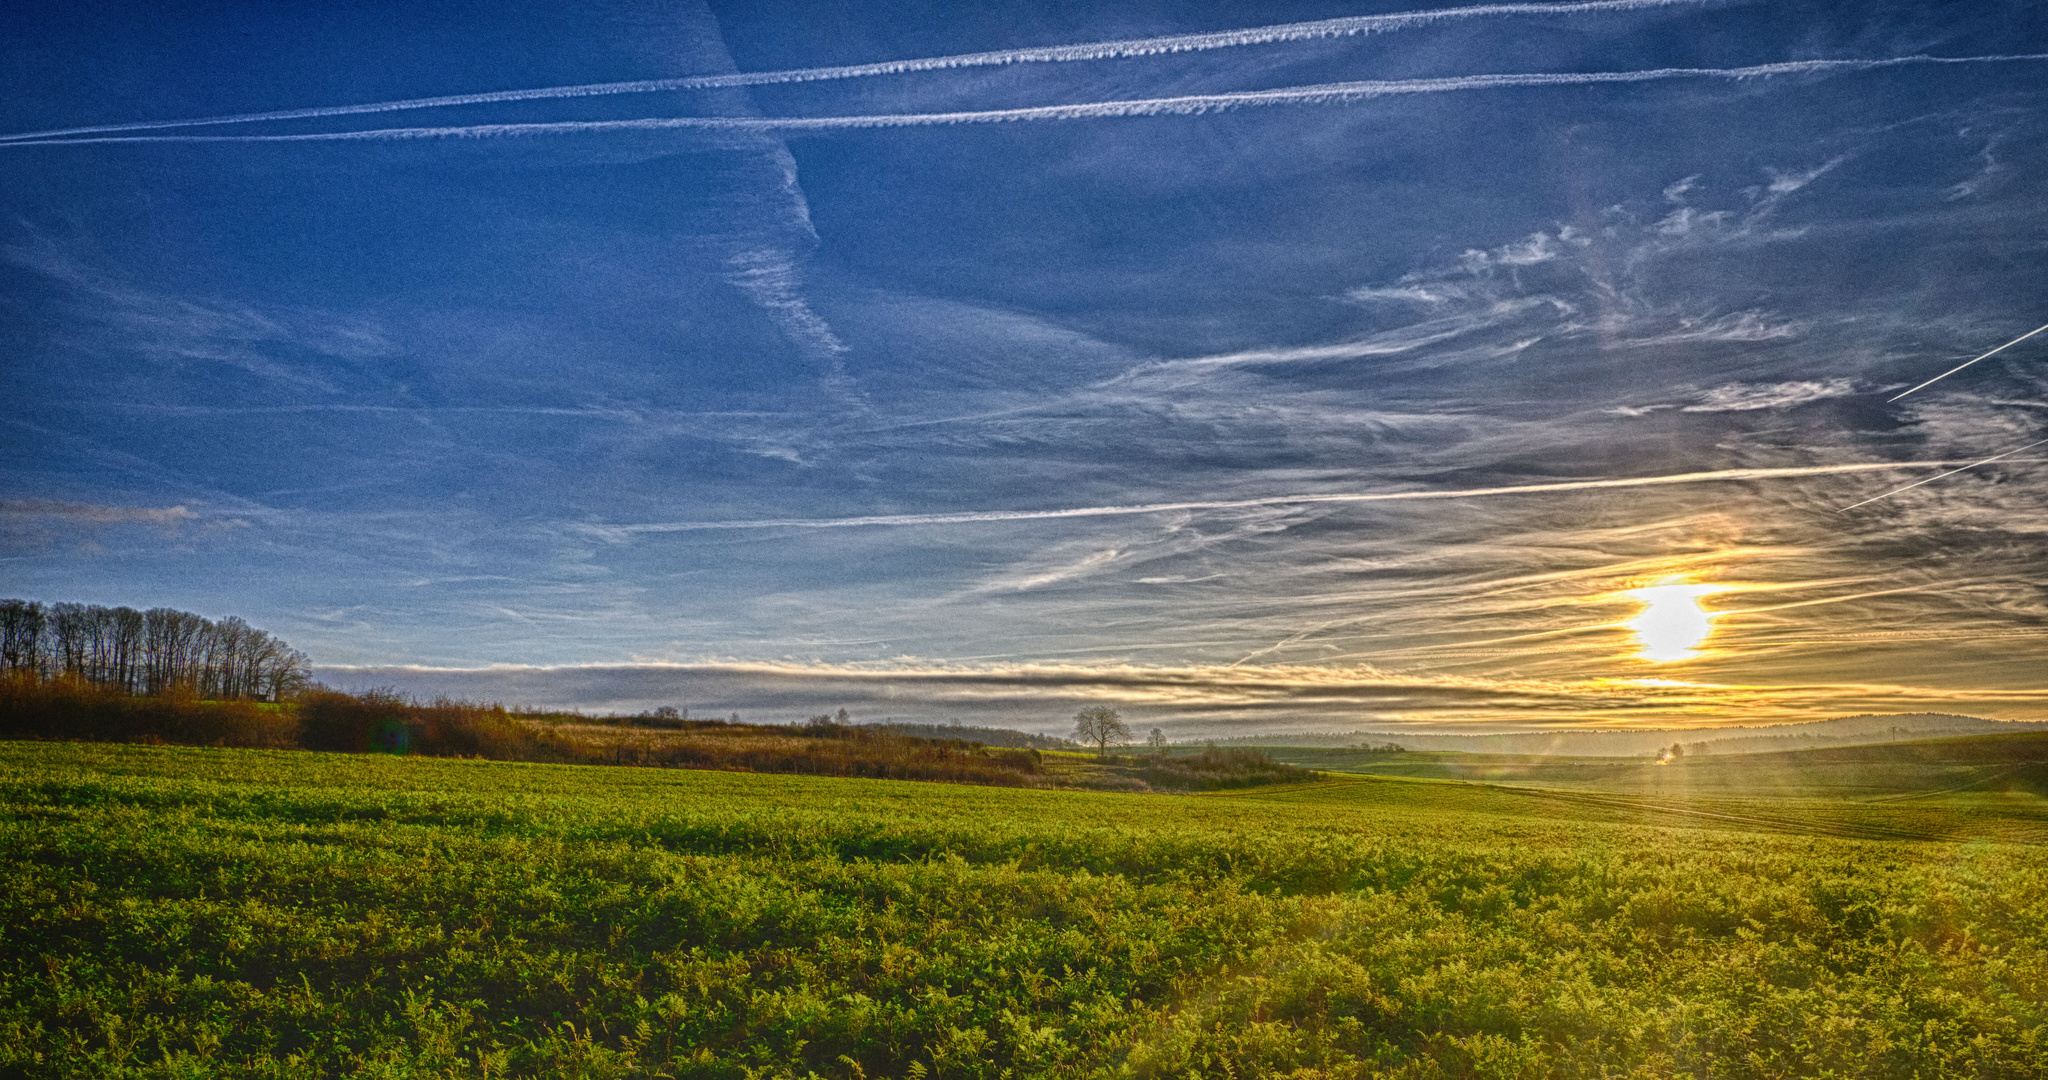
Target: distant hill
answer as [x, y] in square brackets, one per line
[2003, 748]
[2008, 762]
[1842, 731]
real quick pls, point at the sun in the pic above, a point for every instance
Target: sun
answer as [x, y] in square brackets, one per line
[1672, 625]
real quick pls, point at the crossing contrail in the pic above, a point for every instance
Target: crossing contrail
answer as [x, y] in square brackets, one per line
[1103, 50]
[1189, 105]
[1961, 366]
[1938, 476]
[621, 532]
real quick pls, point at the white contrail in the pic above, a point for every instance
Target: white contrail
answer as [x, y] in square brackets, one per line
[1937, 476]
[1104, 50]
[1960, 367]
[1193, 104]
[618, 532]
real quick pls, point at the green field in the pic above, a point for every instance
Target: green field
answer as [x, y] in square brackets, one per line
[191, 912]
[1885, 770]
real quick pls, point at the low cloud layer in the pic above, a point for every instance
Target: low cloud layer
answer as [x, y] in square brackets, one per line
[1188, 702]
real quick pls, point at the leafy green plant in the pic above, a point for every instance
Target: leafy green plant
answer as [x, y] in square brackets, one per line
[179, 911]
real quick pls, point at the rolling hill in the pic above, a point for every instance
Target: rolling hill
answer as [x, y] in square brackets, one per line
[2006, 762]
[1841, 731]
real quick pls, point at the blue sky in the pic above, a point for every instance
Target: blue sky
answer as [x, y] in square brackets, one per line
[1007, 376]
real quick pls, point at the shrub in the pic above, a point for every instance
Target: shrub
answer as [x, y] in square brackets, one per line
[384, 721]
[353, 723]
[69, 707]
[1214, 769]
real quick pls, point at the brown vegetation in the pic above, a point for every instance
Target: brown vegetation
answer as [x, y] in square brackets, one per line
[382, 721]
[821, 748]
[68, 707]
[1214, 770]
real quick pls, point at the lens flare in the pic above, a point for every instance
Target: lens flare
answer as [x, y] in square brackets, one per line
[1671, 625]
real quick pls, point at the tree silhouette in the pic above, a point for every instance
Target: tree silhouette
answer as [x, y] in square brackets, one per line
[1101, 725]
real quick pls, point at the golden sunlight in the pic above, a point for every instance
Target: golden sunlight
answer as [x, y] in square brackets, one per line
[1671, 625]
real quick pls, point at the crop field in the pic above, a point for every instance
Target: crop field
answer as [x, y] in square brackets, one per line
[183, 912]
[1884, 770]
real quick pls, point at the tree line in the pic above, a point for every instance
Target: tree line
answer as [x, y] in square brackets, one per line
[158, 651]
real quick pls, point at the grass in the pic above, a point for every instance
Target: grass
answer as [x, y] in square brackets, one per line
[174, 911]
[1908, 769]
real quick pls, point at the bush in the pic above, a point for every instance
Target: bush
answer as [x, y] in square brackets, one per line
[383, 721]
[352, 723]
[833, 750]
[68, 707]
[1214, 769]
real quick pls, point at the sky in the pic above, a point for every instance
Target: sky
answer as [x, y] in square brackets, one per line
[1321, 365]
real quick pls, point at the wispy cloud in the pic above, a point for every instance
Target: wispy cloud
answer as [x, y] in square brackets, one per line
[1187, 105]
[1103, 50]
[266, 341]
[772, 279]
[618, 533]
[46, 525]
[1412, 294]
[1945, 475]
[1406, 339]
[1742, 326]
[1081, 567]
[1787, 181]
[1175, 537]
[1967, 363]
[1748, 397]
[94, 513]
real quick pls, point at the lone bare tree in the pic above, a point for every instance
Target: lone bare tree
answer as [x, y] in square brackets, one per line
[1101, 725]
[1158, 743]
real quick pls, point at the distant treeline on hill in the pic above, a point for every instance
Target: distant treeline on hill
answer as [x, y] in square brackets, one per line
[146, 652]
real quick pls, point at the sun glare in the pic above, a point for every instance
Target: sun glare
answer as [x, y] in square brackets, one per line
[1671, 625]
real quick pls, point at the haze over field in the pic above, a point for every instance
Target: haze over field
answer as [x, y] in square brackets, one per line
[1248, 366]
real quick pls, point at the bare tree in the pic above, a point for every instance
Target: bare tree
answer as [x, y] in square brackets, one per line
[22, 623]
[68, 644]
[96, 627]
[284, 671]
[1157, 741]
[1101, 725]
[127, 639]
[140, 652]
[221, 645]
